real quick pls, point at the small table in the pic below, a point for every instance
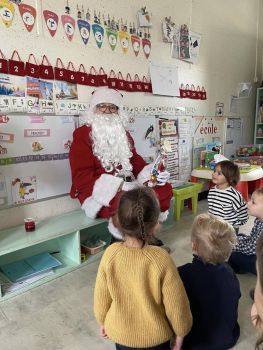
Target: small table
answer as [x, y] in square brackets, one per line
[255, 173]
[188, 191]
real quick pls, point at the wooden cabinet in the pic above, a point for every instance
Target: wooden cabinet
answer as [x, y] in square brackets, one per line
[60, 236]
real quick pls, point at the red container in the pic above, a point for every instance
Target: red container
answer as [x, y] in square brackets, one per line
[29, 224]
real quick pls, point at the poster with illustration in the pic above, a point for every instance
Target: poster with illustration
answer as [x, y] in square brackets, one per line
[65, 91]
[144, 132]
[42, 89]
[12, 85]
[24, 189]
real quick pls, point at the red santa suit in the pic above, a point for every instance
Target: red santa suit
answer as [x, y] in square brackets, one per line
[97, 190]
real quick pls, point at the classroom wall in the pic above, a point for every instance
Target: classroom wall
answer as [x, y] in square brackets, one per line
[230, 53]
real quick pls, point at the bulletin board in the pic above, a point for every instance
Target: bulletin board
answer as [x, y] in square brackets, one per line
[34, 157]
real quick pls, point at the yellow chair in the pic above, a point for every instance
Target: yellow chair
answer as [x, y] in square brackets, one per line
[188, 191]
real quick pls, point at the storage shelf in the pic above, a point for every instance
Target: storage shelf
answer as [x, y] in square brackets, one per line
[60, 236]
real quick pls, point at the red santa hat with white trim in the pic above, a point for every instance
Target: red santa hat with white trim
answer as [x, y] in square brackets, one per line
[105, 95]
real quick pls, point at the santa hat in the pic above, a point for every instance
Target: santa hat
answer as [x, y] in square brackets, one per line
[105, 95]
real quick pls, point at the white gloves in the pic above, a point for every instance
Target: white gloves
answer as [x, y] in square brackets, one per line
[162, 178]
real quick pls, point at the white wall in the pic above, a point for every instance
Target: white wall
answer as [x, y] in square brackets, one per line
[227, 57]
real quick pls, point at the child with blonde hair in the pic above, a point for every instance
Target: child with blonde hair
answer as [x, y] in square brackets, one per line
[211, 285]
[139, 300]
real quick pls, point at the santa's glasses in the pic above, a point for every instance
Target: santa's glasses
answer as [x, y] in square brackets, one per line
[104, 107]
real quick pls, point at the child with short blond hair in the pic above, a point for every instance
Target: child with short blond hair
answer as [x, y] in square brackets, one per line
[211, 285]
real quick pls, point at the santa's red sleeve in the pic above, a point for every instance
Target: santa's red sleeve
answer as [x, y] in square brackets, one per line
[90, 184]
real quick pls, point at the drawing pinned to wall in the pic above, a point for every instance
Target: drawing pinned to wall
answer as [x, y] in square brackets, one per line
[68, 23]
[124, 37]
[111, 31]
[51, 19]
[185, 44]
[219, 109]
[168, 30]
[28, 14]
[3, 192]
[136, 43]
[24, 189]
[164, 80]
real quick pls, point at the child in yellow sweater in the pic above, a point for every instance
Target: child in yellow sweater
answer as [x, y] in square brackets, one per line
[139, 300]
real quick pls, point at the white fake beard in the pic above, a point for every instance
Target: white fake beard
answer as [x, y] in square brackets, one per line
[110, 142]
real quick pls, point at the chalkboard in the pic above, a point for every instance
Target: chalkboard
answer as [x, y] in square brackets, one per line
[34, 157]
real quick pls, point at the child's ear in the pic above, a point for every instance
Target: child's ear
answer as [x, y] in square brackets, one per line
[194, 246]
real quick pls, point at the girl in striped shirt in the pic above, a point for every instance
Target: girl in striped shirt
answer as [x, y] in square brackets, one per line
[223, 199]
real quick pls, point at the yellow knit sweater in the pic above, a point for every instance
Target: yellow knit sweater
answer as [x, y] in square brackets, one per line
[139, 296]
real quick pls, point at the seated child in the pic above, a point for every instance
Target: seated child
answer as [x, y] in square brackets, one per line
[223, 199]
[243, 257]
[140, 300]
[257, 307]
[212, 286]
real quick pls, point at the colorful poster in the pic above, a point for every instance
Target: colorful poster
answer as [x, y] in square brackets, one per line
[12, 85]
[65, 91]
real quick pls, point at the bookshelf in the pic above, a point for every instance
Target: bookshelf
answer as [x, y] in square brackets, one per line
[61, 235]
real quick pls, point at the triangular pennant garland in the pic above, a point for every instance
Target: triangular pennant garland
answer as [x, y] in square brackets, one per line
[28, 14]
[146, 44]
[7, 11]
[69, 26]
[136, 43]
[51, 19]
[124, 40]
[98, 32]
[112, 38]
[84, 30]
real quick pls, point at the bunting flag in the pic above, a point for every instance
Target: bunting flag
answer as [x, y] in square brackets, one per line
[124, 40]
[84, 30]
[146, 44]
[51, 19]
[69, 26]
[98, 32]
[112, 38]
[28, 14]
[136, 43]
[7, 11]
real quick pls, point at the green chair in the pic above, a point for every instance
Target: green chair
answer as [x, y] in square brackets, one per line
[187, 191]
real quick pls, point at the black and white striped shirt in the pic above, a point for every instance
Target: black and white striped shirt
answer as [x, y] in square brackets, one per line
[229, 205]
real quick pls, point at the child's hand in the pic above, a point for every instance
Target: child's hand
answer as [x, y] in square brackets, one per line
[178, 342]
[103, 333]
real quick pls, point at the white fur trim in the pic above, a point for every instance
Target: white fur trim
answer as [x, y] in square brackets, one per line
[163, 216]
[145, 174]
[105, 188]
[127, 186]
[91, 207]
[106, 95]
[114, 231]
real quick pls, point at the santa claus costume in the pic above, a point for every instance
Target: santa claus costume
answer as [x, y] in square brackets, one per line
[104, 162]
